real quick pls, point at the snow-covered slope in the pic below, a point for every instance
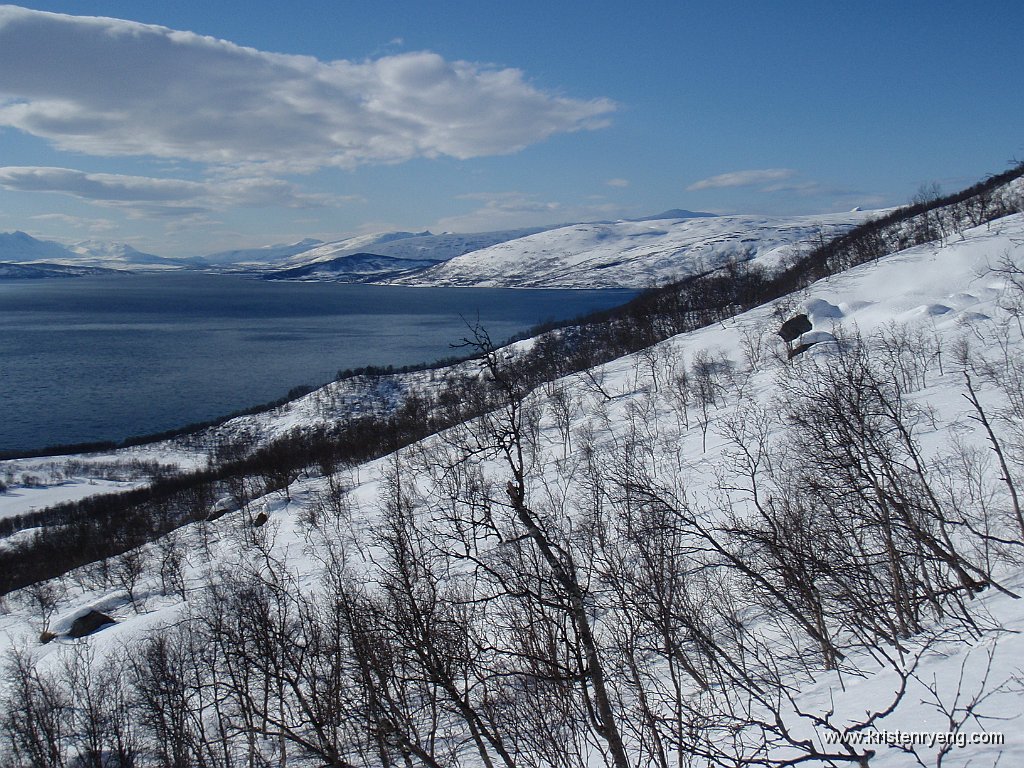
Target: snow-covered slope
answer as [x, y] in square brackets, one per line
[922, 311]
[407, 245]
[635, 254]
[352, 268]
[372, 241]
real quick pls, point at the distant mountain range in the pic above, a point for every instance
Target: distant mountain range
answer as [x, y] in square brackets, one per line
[268, 254]
[109, 254]
[631, 253]
[21, 248]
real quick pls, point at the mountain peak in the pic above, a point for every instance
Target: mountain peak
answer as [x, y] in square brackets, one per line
[20, 246]
[676, 213]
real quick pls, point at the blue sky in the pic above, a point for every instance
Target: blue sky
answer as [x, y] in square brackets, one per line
[270, 124]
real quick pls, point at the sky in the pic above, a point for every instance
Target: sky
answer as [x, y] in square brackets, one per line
[189, 128]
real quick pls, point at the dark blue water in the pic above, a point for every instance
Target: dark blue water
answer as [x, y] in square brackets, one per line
[105, 358]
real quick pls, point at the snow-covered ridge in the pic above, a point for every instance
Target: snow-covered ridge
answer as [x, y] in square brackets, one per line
[408, 245]
[636, 254]
[354, 267]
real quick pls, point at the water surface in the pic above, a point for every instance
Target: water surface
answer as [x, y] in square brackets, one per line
[105, 358]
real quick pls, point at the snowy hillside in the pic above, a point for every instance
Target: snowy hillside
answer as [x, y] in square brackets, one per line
[635, 254]
[349, 245]
[355, 268]
[407, 245]
[705, 553]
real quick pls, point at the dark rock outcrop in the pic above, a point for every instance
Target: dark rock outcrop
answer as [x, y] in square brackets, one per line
[793, 328]
[87, 624]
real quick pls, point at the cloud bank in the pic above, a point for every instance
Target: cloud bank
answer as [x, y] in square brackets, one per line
[110, 87]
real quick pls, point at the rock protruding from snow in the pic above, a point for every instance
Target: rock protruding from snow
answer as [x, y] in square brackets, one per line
[89, 623]
[794, 327]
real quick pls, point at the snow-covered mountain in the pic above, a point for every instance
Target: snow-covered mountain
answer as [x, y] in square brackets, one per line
[417, 246]
[374, 242]
[675, 213]
[106, 254]
[352, 268]
[22, 248]
[635, 254]
[407, 245]
[267, 254]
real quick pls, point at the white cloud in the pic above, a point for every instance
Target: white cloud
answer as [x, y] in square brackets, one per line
[106, 187]
[145, 196]
[742, 179]
[617, 182]
[111, 87]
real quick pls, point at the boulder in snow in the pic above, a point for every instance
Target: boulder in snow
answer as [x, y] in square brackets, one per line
[794, 327]
[88, 623]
